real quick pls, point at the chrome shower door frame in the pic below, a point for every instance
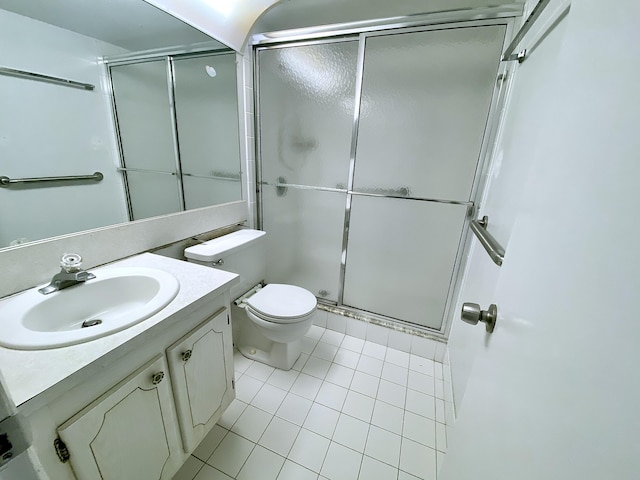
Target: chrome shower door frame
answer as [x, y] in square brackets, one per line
[506, 16]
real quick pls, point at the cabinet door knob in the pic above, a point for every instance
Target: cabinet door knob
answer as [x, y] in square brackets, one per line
[156, 378]
[186, 355]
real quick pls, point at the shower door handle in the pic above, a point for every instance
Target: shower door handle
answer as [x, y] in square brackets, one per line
[385, 192]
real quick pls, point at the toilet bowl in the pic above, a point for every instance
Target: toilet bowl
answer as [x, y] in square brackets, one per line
[275, 319]
[283, 313]
[268, 321]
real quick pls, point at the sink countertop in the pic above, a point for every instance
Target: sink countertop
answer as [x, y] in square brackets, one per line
[27, 373]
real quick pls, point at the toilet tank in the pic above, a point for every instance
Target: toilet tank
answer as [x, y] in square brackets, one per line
[242, 252]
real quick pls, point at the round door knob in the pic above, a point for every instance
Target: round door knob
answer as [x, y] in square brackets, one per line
[186, 355]
[472, 314]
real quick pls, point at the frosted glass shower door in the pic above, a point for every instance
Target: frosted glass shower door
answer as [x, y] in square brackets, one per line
[424, 107]
[145, 125]
[425, 102]
[304, 239]
[307, 99]
[306, 105]
[207, 124]
[403, 259]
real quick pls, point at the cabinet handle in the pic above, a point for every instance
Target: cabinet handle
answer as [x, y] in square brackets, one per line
[156, 378]
[186, 355]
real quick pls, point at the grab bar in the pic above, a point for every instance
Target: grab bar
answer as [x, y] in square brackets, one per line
[7, 182]
[508, 54]
[12, 72]
[490, 244]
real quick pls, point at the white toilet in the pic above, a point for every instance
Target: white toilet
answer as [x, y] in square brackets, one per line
[268, 321]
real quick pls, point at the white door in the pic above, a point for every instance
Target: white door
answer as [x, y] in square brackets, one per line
[554, 391]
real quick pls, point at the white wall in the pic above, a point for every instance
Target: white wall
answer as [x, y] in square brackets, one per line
[531, 85]
[51, 130]
[247, 132]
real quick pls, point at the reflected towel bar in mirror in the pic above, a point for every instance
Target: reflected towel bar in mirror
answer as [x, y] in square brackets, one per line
[7, 182]
[490, 244]
[45, 78]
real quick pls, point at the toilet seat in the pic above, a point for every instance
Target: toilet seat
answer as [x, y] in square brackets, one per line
[282, 303]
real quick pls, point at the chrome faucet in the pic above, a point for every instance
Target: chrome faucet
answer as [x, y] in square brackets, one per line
[70, 274]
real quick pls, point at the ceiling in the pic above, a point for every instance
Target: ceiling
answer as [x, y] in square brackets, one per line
[288, 14]
[131, 24]
[135, 25]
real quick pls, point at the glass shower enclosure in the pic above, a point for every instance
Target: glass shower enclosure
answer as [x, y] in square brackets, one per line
[369, 155]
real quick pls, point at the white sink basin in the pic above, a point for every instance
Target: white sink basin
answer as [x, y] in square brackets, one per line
[116, 299]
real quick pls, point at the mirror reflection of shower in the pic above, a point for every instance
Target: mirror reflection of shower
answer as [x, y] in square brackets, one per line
[195, 150]
[56, 40]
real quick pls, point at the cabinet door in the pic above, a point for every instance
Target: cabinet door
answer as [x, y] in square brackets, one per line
[129, 432]
[201, 366]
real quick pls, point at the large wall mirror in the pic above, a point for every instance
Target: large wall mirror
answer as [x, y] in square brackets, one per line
[154, 111]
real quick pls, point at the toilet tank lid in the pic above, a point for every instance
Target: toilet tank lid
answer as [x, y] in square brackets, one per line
[212, 250]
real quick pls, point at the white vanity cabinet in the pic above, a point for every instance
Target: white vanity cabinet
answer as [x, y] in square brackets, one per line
[129, 432]
[202, 377]
[145, 426]
[136, 403]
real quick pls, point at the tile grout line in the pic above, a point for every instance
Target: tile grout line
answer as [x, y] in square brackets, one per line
[348, 389]
[375, 398]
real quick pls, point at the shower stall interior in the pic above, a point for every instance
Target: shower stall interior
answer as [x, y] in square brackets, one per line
[370, 152]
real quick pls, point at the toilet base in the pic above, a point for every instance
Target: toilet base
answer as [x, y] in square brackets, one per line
[280, 355]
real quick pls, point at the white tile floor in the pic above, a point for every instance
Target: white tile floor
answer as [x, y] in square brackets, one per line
[349, 409]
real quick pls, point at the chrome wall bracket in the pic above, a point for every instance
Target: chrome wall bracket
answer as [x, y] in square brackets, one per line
[520, 56]
[508, 54]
